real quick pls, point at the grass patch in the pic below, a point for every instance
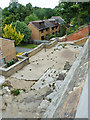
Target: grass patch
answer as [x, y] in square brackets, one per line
[15, 92]
[31, 46]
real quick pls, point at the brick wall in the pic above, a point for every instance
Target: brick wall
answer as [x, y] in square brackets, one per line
[79, 34]
[34, 32]
[8, 49]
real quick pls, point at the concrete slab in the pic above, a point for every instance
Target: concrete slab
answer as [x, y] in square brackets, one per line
[40, 62]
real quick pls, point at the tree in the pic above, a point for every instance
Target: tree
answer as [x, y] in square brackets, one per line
[29, 8]
[49, 12]
[23, 29]
[44, 18]
[8, 20]
[40, 13]
[30, 18]
[11, 33]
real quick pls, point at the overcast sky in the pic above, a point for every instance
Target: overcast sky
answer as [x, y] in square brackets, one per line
[39, 3]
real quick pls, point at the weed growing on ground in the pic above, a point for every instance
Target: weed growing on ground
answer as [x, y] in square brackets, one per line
[54, 71]
[42, 83]
[15, 92]
[49, 75]
[49, 99]
[49, 85]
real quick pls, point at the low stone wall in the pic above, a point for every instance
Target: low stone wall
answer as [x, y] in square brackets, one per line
[12, 69]
[81, 41]
[52, 44]
[39, 48]
[35, 50]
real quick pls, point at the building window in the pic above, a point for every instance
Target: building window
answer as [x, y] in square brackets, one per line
[42, 37]
[56, 27]
[47, 37]
[46, 29]
[41, 31]
[52, 28]
[2, 62]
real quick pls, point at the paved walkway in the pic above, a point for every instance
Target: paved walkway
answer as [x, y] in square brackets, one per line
[21, 49]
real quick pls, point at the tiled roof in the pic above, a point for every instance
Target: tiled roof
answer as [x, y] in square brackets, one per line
[51, 23]
[43, 24]
[58, 18]
[40, 24]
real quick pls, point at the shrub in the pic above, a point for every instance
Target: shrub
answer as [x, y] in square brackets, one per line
[23, 29]
[10, 33]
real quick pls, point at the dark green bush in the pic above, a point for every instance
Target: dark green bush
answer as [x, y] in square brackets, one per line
[10, 63]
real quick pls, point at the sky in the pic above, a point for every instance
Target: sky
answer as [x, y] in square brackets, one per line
[39, 3]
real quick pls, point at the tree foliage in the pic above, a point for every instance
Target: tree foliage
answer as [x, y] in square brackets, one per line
[69, 11]
[10, 33]
[30, 18]
[23, 29]
[16, 11]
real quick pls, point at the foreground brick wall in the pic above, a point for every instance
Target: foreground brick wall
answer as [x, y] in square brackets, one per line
[79, 34]
[8, 49]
